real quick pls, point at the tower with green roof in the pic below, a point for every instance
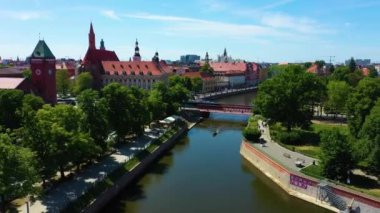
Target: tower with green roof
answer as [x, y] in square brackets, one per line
[42, 64]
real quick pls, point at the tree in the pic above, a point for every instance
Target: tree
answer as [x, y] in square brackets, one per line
[82, 82]
[95, 120]
[17, 171]
[340, 73]
[360, 103]
[372, 72]
[27, 73]
[320, 63]
[352, 65]
[156, 105]
[336, 155]
[307, 65]
[10, 108]
[197, 84]
[251, 134]
[370, 135]
[354, 78]
[289, 97]
[206, 68]
[337, 93]
[62, 128]
[63, 82]
[138, 108]
[119, 117]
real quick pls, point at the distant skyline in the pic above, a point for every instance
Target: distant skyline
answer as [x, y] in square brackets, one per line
[260, 30]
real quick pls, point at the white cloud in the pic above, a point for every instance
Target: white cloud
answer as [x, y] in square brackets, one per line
[22, 15]
[110, 14]
[185, 26]
[299, 24]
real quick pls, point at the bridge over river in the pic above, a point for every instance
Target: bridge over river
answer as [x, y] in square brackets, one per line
[204, 173]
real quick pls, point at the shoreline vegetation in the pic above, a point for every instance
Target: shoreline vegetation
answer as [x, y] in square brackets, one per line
[108, 182]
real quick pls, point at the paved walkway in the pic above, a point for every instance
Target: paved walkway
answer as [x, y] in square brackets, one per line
[58, 197]
[279, 153]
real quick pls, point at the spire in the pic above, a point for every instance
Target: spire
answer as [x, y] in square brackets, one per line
[207, 58]
[156, 58]
[225, 55]
[91, 38]
[137, 56]
[91, 29]
[137, 49]
[102, 47]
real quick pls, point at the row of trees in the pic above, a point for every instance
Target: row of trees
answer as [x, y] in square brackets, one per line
[291, 97]
[38, 140]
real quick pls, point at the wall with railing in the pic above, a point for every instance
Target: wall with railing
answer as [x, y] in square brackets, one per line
[302, 186]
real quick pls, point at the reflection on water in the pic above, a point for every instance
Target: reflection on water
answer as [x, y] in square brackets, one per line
[207, 174]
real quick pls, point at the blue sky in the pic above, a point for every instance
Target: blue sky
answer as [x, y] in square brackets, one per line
[255, 30]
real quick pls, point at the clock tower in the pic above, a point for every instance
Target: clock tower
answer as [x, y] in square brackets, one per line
[42, 64]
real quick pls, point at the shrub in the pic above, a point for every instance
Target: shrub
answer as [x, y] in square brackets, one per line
[290, 138]
[251, 134]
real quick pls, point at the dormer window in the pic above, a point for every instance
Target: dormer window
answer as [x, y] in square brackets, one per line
[141, 73]
[113, 65]
[122, 67]
[132, 72]
[146, 66]
[124, 72]
[138, 66]
[130, 67]
[149, 73]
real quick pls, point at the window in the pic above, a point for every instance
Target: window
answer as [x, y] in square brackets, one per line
[113, 65]
[130, 67]
[122, 67]
[146, 66]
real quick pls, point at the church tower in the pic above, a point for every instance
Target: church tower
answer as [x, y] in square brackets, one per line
[102, 47]
[137, 56]
[42, 64]
[91, 38]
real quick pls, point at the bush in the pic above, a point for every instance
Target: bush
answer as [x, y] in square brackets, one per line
[290, 138]
[251, 134]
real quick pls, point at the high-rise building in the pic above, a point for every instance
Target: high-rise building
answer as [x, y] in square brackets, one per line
[189, 59]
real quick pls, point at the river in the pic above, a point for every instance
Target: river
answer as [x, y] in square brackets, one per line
[205, 173]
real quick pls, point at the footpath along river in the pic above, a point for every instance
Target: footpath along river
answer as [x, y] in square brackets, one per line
[204, 173]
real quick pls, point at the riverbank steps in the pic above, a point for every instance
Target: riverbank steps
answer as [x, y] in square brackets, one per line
[301, 186]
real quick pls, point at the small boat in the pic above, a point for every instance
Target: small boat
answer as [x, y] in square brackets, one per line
[215, 132]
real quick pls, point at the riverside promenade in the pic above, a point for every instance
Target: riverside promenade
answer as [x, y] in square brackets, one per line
[278, 164]
[61, 195]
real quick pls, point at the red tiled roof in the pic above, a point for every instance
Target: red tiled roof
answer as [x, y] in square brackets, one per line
[10, 83]
[196, 75]
[365, 71]
[313, 69]
[95, 56]
[230, 67]
[146, 67]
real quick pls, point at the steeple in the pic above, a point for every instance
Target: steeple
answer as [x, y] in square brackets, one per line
[156, 58]
[137, 49]
[225, 55]
[136, 56]
[91, 38]
[102, 47]
[207, 58]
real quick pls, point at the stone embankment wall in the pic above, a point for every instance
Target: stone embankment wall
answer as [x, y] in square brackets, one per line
[129, 177]
[299, 185]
